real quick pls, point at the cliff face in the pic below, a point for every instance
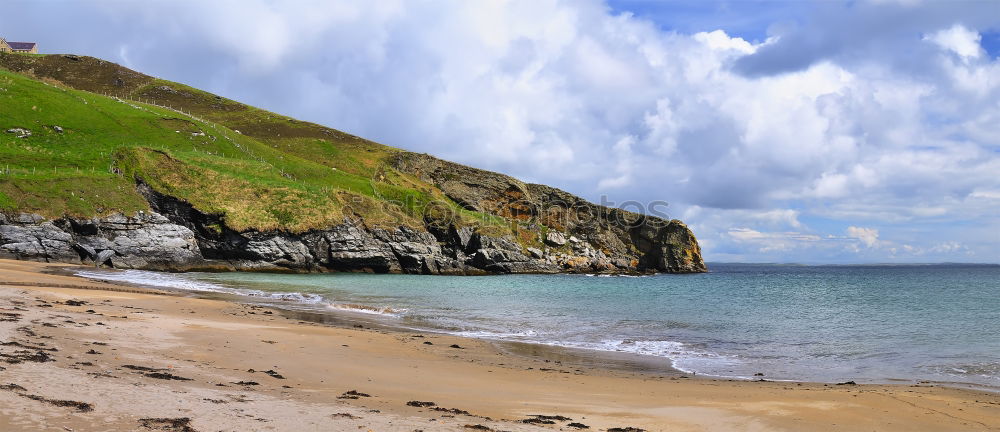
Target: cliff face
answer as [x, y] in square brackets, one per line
[110, 166]
[175, 236]
[577, 234]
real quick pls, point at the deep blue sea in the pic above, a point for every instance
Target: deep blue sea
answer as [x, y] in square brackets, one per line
[878, 323]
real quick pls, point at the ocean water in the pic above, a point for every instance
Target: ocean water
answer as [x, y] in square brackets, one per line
[912, 323]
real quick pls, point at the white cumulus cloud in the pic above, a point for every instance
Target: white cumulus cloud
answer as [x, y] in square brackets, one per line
[958, 39]
[867, 236]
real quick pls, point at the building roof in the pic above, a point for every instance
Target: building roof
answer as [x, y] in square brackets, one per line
[27, 46]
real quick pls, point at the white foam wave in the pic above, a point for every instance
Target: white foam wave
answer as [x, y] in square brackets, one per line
[294, 297]
[988, 371]
[175, 281]
[365, 309]
[153, 279]
[485, 334]
[683, 357]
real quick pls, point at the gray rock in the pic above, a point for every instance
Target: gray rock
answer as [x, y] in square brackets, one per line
[499, 260]
[103, 256]
[29, 218]
[348, 247]
[480, 241]
[461, 236]
[555, 238]
[36, 242]
[87, 249]
[20, 132]
[147, 240]
[281, 251]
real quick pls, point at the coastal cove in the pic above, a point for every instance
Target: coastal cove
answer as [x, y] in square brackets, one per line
[873, 324]
[500, 216]
[116, 340]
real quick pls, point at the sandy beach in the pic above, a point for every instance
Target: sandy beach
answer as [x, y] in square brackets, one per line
[77, 355]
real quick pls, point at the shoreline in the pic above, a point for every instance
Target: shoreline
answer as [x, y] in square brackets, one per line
[216, 343]
[349, 319]
[595, 358]
[346, 315]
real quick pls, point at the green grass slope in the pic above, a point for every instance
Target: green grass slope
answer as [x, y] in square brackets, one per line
[96, 127]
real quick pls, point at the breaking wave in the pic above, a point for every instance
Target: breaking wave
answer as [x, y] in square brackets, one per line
[365, 309]
[173, 281]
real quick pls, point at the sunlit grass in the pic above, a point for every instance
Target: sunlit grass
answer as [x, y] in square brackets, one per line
[260, 171]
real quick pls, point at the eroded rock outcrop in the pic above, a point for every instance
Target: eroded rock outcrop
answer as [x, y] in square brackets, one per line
[151, 241]
[568, 234]
[147, 240]
[578, 233]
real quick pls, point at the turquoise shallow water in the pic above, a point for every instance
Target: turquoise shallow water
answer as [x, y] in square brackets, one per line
[818, 323]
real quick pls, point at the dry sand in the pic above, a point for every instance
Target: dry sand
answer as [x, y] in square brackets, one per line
[133, 359]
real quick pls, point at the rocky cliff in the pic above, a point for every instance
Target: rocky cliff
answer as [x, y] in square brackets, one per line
[175, 236]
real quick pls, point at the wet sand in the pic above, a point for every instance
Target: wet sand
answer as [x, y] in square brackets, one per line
[85, 356]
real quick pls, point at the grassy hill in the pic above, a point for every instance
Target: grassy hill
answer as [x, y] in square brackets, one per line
[95, 126]
[81, 138]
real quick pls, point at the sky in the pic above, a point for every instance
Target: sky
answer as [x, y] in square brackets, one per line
[780, 131]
